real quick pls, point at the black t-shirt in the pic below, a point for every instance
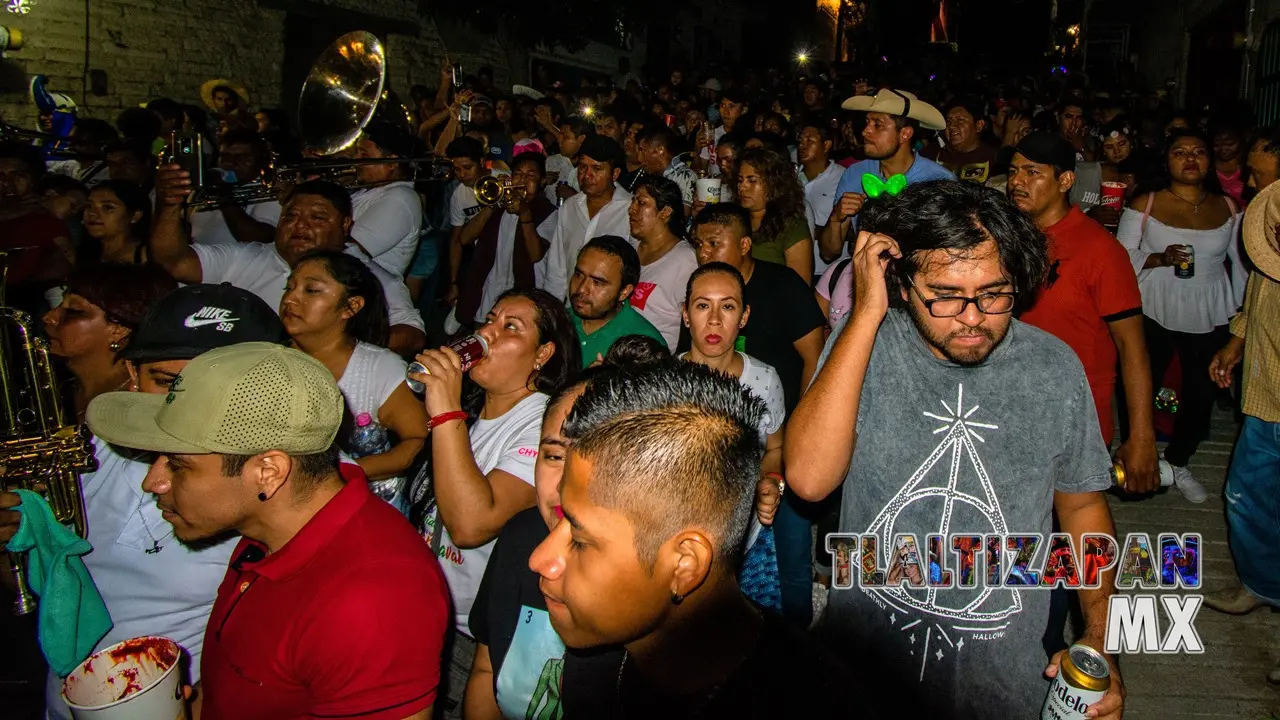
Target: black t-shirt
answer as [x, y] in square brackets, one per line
[627, 180]
[783, 310]
[510, 616]
[786, 675]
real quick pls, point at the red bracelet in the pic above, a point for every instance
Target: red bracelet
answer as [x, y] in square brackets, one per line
[443, 418]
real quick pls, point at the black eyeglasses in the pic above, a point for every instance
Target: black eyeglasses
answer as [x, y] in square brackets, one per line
[996, 303]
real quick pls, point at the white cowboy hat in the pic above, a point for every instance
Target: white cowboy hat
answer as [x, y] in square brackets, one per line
[901, 103]
[1260, 225]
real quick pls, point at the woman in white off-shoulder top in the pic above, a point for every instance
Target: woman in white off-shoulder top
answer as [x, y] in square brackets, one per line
[1187, 314]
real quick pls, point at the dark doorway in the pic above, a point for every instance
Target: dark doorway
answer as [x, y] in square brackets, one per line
[1213, 73]
[305, 37]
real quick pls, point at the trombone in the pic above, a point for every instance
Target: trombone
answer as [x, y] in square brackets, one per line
[61, 145]
[342, 94]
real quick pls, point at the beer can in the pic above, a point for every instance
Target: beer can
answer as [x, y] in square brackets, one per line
[1166, 473]
[1186, 268]
[471, 350]
[1083, 678]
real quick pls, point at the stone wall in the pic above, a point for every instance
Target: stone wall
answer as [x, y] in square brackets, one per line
[154, 48]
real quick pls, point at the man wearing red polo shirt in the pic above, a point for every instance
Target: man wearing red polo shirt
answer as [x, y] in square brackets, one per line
[1090, 300]
[332, 606]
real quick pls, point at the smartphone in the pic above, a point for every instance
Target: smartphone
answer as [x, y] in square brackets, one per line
[669, 120]
[464, 114]
[457, 75]
[188, 153]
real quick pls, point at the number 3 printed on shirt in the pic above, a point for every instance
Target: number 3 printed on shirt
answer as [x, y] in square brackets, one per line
[528, 616]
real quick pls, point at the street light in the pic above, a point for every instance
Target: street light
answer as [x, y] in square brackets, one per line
[802, 57]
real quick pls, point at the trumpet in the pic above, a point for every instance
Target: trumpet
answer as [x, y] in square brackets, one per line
[494, 191]
[39, 450]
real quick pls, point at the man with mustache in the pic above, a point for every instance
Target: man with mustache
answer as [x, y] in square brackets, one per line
[607, 272]
[316, 215]
[938, 413]
[965, 154]
[1090, 300]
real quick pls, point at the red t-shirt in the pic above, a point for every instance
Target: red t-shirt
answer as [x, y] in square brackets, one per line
[35, 234]
[1091, 282]
[347, 619]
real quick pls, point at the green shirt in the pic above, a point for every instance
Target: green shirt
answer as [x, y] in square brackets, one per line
[626, 322]
[775, 249]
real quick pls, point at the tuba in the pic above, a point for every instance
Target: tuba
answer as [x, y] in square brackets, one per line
[344, 92]
[39, 451]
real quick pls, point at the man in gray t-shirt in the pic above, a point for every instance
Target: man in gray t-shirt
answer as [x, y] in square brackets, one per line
[942, 415]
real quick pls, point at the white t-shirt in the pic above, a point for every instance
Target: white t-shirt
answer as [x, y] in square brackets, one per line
[568, 174]
[386, 221]
[659, 295]
[501, 276]
[258, 268]
[463, 204]
[209, 227]
[371, 375]
[509, 443]
[763, 382]
[819, 201]
[573, 229]
[708, 154]
[169, 592]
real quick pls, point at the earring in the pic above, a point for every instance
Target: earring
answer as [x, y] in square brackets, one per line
[262, 497]
[537, 366]
[675, 598]
[114, 346]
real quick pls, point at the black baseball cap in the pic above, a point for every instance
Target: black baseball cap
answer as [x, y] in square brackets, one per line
[194, 319]
[1048, 149]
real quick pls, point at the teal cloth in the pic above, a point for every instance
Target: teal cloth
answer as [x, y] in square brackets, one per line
[73, 617]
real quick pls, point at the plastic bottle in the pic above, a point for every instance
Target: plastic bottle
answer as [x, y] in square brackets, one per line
[368, 438]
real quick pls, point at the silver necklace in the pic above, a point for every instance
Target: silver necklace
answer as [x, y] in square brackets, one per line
[1195, 206]
[155, 544]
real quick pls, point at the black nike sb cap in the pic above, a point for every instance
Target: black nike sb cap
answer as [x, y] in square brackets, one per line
[195, 319]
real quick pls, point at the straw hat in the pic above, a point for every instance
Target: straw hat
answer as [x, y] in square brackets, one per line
[1260, 222]
[898, 102]
[206, 92]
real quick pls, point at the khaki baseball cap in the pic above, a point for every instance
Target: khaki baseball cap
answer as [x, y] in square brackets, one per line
[237, 400]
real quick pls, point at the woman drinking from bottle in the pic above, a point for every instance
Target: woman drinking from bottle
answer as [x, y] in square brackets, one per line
[484, 442]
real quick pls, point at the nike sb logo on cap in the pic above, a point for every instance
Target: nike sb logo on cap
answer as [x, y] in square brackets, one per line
[211, 315]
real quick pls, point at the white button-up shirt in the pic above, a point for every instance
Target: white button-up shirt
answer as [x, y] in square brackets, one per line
[573, 229]
[168, 592]
[819, 201]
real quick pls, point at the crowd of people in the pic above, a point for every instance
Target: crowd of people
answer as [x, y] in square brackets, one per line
[614, 512]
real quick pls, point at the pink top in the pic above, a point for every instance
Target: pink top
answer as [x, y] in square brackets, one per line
[1233, 185]
[842, 298]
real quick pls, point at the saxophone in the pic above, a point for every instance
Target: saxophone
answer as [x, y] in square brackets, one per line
[39, 451]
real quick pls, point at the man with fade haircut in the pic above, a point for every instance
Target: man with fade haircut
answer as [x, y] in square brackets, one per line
[657, 493]
[332, 605]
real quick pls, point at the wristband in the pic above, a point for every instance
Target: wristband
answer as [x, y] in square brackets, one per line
[443, 418]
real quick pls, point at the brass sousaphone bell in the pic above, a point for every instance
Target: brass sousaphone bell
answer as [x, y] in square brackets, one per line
[344, 92]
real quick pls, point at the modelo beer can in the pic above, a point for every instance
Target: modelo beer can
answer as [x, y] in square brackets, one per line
[1166, 473]
[471, 350]
[1083, 678]
[1186, 268]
